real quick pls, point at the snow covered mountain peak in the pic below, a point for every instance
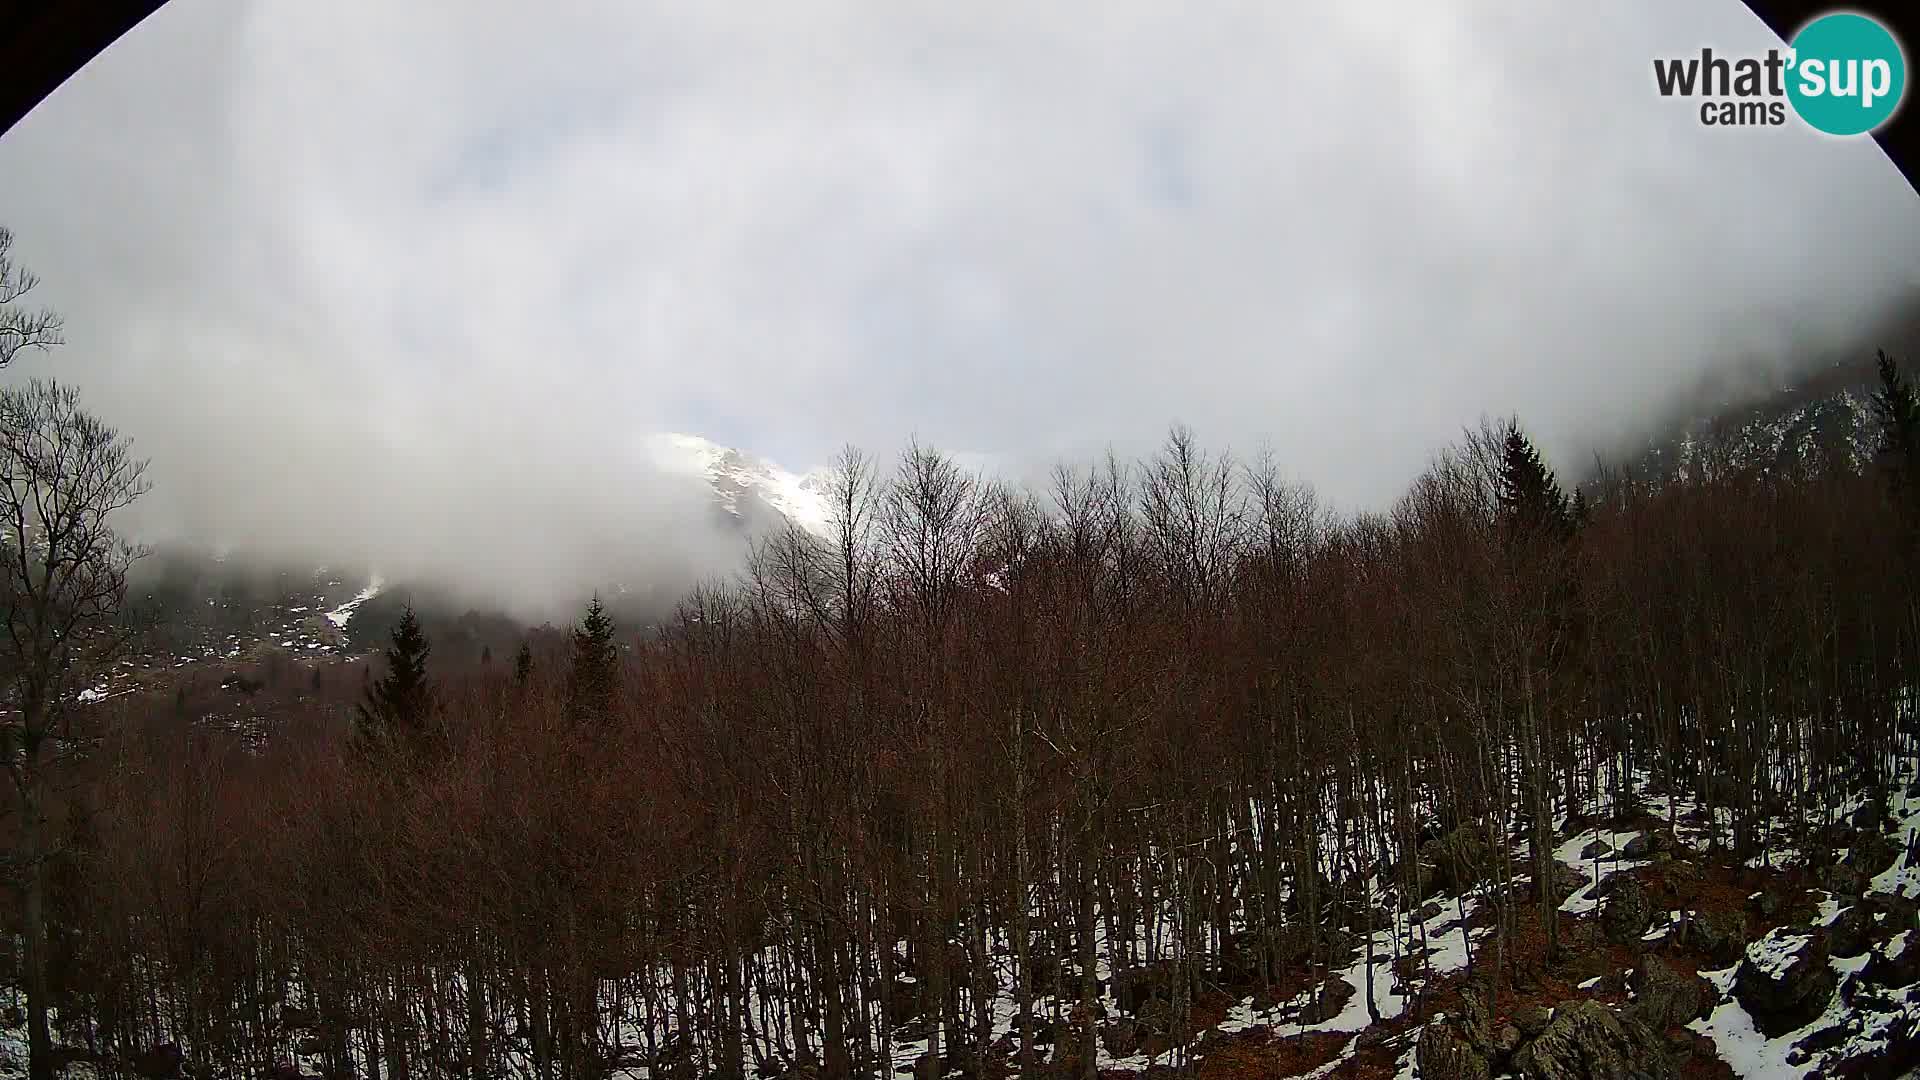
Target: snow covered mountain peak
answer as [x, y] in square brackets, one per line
[739, 480]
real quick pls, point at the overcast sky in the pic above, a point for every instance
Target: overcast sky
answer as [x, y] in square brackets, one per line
[406, 278]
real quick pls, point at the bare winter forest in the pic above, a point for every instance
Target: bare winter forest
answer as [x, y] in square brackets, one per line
[531, 545]
[1035, 782]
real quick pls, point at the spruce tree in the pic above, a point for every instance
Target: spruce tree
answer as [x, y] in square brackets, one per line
[1539, 525]
[1581, 511]
[1898, 411]
[400, 704]
[523, 664]
[1531, 502]
[596, 672]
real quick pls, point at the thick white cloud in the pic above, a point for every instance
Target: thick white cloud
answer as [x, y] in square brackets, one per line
[404, 281]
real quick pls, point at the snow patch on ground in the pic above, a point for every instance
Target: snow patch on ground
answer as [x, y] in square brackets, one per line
[1903, 877]
[340, 615]
[1774, 954]
[1583, 901]
[1749, 1053]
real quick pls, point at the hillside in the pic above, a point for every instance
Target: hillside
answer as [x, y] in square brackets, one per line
[1818, 415]
[1824, 418]
[1196, 779]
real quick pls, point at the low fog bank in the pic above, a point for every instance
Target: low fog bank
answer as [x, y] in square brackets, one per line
[519, 512]
[525, 500]
[492, 524]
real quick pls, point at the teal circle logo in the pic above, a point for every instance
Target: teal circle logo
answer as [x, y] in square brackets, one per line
[1847, 74]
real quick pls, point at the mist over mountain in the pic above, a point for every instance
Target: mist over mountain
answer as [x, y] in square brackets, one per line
[219, 599]
[417, 291]
[420, 289]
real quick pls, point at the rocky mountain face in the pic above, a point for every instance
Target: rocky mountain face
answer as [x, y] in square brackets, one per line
[1824, 420]
[752, 492]
[1821, 416]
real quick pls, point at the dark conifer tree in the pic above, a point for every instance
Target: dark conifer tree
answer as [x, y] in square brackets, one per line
[1538, 526]
[1898, 411]
[1531, 501]
[523, 664]
[400, 704]
[596, 672]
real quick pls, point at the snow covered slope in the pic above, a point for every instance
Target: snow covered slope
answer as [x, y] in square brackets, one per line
[746, 486]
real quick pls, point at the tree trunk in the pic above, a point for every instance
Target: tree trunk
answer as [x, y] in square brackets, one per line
[476, 1019]
[1023, 978]
[1089, 985]
[34, 917]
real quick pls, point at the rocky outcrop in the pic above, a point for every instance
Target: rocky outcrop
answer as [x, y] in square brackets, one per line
[1459, 859]
[1586, 1041]
[1871, 853]
[1327, 1002]
[1581, 1040]
[1627, 911]
[1475, 1022]
[1532, 1020]
[1442, 1054]
[1847, 932]
[1894, 964]
[1722, 935]
[1843, 880]
[1648, 844]
[1682, 880]
[1785, 981]
[1665, 998]
[1565, 881]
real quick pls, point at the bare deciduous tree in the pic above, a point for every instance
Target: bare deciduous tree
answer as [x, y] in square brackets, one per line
[63, 473]
[21, 328]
